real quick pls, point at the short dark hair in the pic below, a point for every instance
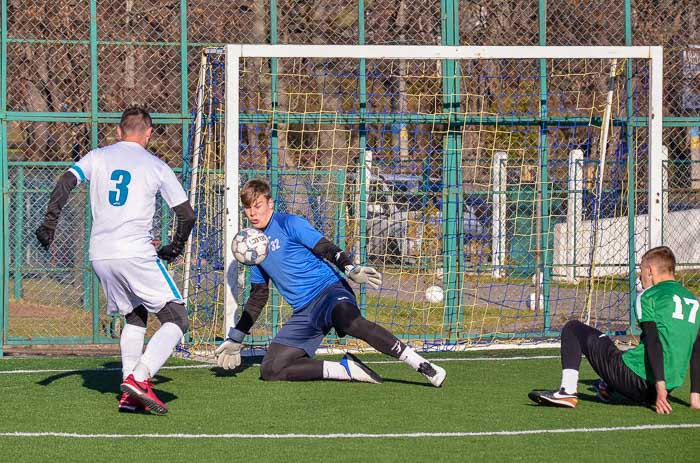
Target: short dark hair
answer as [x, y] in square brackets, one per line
[135, 120]
[661, 258]
[252, 189]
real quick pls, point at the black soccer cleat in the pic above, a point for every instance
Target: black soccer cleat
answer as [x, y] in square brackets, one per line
[558, 398]
[435, 374]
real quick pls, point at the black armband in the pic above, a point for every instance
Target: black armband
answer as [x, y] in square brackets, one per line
[253, 307]
[332, 253]
[695, 367]
[59, 198]
[185, 222]
[654, 350]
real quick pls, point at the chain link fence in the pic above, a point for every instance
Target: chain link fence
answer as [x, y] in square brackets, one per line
[70, 67]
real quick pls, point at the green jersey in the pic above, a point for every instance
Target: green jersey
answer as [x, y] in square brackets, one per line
[674, 309]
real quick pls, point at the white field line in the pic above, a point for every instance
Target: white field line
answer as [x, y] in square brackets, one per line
[412, 435]
[178, 367]
[207, 365]
[474, 359]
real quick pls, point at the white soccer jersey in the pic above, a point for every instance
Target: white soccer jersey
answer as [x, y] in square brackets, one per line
[124, 179]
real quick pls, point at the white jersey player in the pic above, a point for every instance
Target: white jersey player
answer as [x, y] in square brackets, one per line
[124, 179]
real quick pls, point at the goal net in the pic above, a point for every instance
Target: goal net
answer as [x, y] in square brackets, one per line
[500, 190]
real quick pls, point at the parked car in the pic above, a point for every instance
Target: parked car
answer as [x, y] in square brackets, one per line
[404, 219]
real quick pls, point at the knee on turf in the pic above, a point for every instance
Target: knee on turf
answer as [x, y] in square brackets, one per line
[176, 313]
[137, 317]
[272, 369]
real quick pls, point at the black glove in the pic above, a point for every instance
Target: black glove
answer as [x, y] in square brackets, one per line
[170, 252]
[45, 236]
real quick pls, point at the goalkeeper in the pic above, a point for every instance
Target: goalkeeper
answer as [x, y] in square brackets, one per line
[668, 315]
[298, 265]
[124, 180]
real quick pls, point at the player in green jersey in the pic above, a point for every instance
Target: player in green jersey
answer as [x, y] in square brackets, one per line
[668, 316]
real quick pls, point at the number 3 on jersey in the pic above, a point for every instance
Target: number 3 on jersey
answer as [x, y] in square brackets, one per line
[118, 197]
[678, 313]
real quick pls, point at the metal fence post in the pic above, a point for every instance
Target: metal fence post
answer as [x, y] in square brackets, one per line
[452, 187]
[4, 206]
[574, 213]
[543, 268]
[499, 186]
[631, 174]
[362, 177]
[19, 232]
[90, 297]
[273, 167]
[184, 96]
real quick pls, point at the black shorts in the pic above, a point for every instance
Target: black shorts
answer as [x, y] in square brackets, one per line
[606, 360]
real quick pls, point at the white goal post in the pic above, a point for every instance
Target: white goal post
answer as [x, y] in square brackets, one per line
[235, 53]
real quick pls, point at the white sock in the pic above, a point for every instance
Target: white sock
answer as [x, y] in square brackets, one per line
[141, 372]
[131, 344]
[158, 350]
[334, 370]
[410, 357]
[569, 380]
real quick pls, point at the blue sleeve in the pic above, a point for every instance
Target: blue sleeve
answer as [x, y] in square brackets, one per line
[301, 230]
[258, 275]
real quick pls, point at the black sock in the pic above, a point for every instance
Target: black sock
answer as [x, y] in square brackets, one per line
[348, 320]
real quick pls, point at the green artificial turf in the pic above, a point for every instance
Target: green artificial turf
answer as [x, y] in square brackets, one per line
[478, 396]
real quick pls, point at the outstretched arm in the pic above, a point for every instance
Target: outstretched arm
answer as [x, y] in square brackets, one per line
[228, 354]
[58, 200]
[357, 273]
[655, 357]
[183, 227]
[695, 375]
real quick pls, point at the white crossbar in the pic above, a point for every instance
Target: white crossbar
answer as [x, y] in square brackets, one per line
[437, 52]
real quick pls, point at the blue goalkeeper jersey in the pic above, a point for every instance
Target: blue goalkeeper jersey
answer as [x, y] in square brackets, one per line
[298, 274]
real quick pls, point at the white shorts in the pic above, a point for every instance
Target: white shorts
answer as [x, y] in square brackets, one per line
[135, 281]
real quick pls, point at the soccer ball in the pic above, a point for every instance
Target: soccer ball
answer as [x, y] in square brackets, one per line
[250, 246]
[434, 294]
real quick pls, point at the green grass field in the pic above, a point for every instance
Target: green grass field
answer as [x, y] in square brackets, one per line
[485, 392]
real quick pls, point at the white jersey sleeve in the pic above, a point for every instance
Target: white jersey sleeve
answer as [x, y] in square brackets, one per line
[170, 188]
[83, 168]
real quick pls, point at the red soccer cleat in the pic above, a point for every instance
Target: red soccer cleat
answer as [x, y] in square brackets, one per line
[128, 404]
[143, 392]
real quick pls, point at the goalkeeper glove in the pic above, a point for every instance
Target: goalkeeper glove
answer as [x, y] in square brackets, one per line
[45, 236]
[228, 354]
[170, 252]
[360, 274]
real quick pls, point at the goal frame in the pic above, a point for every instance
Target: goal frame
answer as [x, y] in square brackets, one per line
[235, 52]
